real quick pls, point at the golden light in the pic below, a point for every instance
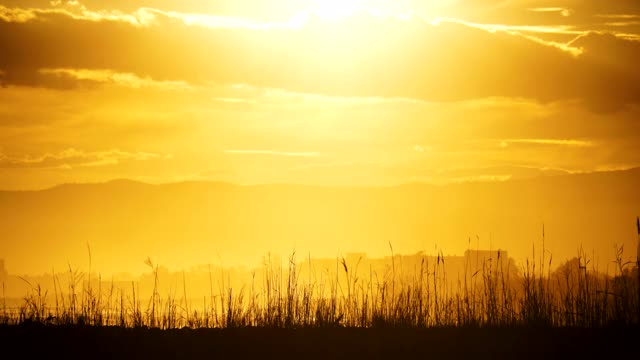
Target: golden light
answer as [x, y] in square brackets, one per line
[337, 9]
[334, 10]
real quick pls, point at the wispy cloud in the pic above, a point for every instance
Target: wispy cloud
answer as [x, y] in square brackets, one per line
[546, 29]
[622, 23]
[523, 31]
[561, 10]
[559, 142]
[70, 158]
[77, 11]
[245, 94]
[145, 16]
[276, 93]
[228, 22]
[273, 152]
[619, 16]
[117, 78]
[479, 178]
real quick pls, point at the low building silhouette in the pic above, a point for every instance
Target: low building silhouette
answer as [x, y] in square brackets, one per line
[3, 271]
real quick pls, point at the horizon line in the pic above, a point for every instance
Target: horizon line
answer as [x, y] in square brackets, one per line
[318, 185]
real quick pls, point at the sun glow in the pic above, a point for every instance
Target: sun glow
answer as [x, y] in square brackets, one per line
[334, 10]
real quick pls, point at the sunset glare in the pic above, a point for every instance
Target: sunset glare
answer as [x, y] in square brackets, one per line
[200, 131]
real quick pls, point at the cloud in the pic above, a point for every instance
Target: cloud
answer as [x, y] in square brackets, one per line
[479, 178]
[557, 142]
[121, 79]
[272, 153]
[619, 16]
[523, 11]
[561, 10]
[373, 58]
[254, 9]
[525, 32]
[71, 158]
[280, 11]
[457, 174]
[145, 17]
[142, 17]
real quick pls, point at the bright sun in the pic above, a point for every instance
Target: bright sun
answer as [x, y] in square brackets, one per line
[337, 9]
[340, 9]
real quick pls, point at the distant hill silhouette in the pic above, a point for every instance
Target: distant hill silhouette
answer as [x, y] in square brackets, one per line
[183, 224]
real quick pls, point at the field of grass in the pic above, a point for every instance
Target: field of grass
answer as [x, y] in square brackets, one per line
[489, 313]
[576, 295]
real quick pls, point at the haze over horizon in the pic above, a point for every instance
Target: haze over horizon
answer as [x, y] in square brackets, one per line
[181, 225]
[525, 174]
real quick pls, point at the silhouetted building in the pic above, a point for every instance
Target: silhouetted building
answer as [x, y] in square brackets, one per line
[3, 271]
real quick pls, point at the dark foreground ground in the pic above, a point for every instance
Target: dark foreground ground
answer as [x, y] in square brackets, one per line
[48, 342]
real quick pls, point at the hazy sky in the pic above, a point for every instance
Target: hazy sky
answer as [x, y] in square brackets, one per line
[315, 92]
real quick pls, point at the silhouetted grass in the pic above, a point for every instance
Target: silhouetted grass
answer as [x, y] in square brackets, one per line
[576, 295]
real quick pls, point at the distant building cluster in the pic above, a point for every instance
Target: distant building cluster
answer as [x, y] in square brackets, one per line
[453, 269]
[456, 267]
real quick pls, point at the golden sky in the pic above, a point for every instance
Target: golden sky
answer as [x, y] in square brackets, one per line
[367, 92]
[310, 92]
